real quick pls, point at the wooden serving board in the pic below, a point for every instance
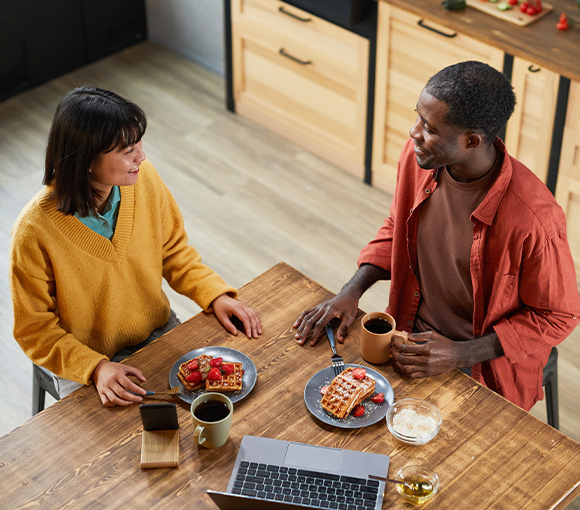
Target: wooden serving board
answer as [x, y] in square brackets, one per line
[513, 15]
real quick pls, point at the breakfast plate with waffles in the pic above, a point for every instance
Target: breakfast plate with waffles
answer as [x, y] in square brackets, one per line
[236, 379]
[358, 397]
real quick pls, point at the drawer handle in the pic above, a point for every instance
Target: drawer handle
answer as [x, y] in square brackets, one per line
[304, 20]
[422, 24]
[534, 70]
[287, 55]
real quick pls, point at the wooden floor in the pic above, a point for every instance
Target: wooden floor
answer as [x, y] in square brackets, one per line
[250, 198]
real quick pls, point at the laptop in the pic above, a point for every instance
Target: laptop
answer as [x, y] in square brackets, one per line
[271, 474]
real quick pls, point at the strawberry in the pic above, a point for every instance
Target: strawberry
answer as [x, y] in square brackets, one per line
[227, 368]
[379, 398]
[358, 411]
[214, 374]
[195, 377]
[359, 373]
[193, 364]
[215, 362]
[324, 389]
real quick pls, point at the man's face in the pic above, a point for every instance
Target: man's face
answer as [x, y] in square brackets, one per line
[437, 143]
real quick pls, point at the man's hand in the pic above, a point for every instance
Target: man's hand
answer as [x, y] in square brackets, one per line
[113, 383]
[343, 306]
[225, 306]
[312, 322]
[433, 354]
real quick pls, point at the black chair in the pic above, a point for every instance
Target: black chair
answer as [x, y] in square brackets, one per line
[550, 384]
[42, 381]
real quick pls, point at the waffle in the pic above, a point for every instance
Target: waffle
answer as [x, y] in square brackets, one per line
[345, 392]
[203, 368]
[232, 382]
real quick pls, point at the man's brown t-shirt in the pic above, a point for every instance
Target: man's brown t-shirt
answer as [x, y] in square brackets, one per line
[444, 239]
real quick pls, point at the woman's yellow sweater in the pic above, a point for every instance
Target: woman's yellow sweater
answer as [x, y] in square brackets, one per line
[78, 298]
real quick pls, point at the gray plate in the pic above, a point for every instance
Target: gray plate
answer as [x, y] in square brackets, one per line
[373, 412]
[248, 380]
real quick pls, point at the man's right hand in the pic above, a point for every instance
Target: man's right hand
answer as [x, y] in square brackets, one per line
[343, 306]
[313, 321]
[113, 383]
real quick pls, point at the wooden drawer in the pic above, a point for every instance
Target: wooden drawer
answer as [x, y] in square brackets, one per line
[302, 77]
[529, 131]
[410, 50]
[568, 186]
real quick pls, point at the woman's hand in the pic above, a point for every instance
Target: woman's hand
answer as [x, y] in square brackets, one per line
[113, 383]
[225, 306]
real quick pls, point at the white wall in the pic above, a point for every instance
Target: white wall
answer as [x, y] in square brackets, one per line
[193, 28]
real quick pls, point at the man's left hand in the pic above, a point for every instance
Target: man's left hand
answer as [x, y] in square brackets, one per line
[429, 353]
[225, 306]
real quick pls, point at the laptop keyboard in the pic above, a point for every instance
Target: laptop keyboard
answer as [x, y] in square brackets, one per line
[303, 487]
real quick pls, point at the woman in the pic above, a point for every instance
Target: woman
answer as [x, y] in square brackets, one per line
[89, 252]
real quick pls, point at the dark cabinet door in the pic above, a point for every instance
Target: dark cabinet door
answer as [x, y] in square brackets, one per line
[53, 34]
[14, 75]
[43, 39]
[112, 25]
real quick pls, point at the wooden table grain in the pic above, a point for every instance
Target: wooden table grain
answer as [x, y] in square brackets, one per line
[79, 454]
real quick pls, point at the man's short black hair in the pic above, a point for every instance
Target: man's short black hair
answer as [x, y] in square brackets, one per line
[480, 98]
[88, 121]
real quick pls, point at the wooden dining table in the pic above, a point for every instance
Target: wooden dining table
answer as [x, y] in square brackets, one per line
[77, 453]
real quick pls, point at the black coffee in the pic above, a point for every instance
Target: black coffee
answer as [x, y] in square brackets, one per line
[378, 326]
[211, 410]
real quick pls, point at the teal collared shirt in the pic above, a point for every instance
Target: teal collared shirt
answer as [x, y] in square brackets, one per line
[104, 224]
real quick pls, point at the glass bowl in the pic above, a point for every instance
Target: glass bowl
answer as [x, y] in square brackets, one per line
[413, 421]
[412, 474]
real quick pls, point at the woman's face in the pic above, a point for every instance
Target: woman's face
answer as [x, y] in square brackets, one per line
[117, 168]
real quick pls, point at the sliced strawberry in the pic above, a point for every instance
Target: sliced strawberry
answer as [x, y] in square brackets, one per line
[215, 362]
[227, 368]
[358, 411]
[193, 364]
[195, 377]
[324, 389]
[359, 373]
[214, 375]
[379, 398]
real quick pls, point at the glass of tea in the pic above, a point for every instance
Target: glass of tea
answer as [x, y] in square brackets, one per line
[212, 419]
[378, 329]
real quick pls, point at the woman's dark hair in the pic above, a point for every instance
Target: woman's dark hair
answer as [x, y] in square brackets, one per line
[88, 121]
[479, 97]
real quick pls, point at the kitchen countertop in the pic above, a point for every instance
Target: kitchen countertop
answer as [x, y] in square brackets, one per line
[541, 42]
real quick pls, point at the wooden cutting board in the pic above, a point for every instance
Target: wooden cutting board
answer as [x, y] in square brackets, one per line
[514, 15]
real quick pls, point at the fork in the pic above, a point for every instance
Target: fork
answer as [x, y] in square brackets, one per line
[337, 361]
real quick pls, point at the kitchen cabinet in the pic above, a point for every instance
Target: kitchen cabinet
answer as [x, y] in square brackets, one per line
[303, 77]
[62, 35]
[411, 49]
[568, 184]
[529, 130]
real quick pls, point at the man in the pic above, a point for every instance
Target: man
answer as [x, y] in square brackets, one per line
[475, 247]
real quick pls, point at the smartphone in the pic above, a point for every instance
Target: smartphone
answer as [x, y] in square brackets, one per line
[161, 416]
